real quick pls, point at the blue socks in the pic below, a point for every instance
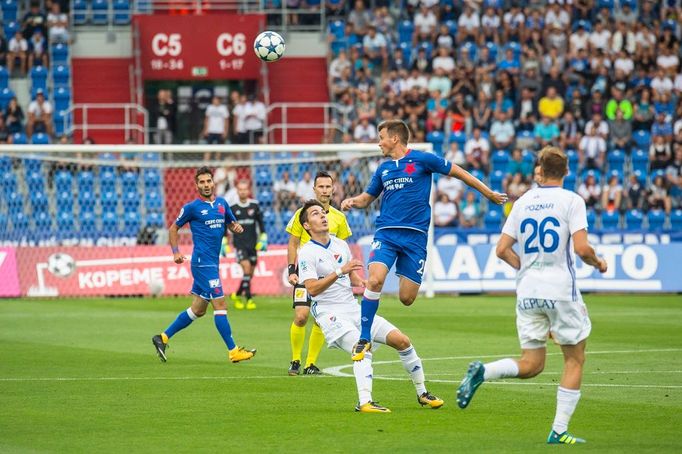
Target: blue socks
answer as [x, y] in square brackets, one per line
[183, 320]
[368, 309]
[223, 327]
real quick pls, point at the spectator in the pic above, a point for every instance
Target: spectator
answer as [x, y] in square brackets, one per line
[546, 133]
[445, 212]
[643, 112]
[425, 23]
[34, 20]
[590, 191]
[551, 105]
[470, 211]
[241, 136]
[285, 191]
[39, 115]
[502, 104]
[635, 193]
[621, 132]
[490, 26]
[502, 132]
[657, 195]
[513, 23]
[338, 65]
[623, 65]
[468, 24]
[254, 118]
[304, 188]
[659, 84]
[526, 104]
[58, 24]
[365, 132]
[662, 127]
[601, 127]
[515, 187]
[444, 39]
[477, 150]
[454, 154]
[452, 188]
[660, 153]
[14, 116]
[5, 135]
[359, 18]
[376, 48]
[519, 165]
[618, 102]
[570, 131]
[216, 122]
[600, 37]
[612, 194]
[623, 14]
[592, 150]
[444, 60]
[37, 50]
[674, 177]
[440, 81]
[164, 117]
[352, 186]
[17, 49]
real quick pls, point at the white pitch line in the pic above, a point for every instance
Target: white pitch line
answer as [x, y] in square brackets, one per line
[615, 372]
[221, 377]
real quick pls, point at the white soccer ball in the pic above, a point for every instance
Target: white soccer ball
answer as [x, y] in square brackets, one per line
[269, 46]
[156, 286]
[61, 265]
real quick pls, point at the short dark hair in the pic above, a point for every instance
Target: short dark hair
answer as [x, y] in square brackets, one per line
[303, 215]
[322, 174]
[396, 128]
[202, 171]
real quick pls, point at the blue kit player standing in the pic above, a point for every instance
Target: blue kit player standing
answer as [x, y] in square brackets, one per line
[207, 217]
[402, 226]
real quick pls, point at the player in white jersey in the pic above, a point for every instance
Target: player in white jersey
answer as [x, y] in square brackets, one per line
[545, 221]
[328, 271]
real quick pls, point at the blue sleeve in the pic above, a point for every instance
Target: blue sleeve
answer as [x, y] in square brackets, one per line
[375, 185]
[436, 164]
[185, 215]
[229, 215]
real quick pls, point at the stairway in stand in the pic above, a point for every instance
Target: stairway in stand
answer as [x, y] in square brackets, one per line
[98, 81]
[298, 79]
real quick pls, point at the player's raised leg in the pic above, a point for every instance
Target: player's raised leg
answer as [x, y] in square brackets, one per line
[412, 364]
[182, 321]
[568, 394]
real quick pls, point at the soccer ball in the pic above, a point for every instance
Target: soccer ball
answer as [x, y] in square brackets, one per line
[156, 287]
[269, 46]
[61, 265]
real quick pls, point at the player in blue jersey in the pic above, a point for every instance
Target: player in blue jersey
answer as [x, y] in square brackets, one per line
[404, 182]
[207, 216]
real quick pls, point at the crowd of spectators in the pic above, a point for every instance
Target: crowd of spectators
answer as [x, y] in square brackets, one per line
[476, 78]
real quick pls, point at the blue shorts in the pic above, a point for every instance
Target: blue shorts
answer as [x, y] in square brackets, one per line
[404, 247]
[207, 283]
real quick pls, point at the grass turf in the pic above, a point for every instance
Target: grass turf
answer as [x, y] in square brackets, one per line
[81, 376]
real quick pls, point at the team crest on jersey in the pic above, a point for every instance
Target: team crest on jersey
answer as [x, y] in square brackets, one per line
[221, 209]
[338, 258]
[250, 212]
[204, 212]
[213, 283]
[376, 244]
[304, 266]
[410, 168]
[332, 318]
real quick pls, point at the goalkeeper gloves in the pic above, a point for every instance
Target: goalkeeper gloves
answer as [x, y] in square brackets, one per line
[262, 244]
[224, 247]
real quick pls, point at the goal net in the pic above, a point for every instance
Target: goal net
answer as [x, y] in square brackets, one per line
[79, 220]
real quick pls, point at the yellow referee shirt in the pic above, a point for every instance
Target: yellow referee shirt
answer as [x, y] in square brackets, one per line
[338, 225]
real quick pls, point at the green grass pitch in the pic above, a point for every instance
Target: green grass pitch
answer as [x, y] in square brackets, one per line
[81, 376]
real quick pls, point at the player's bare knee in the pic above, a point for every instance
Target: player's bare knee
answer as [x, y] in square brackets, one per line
[375, 284]
[300, 320]
[199, 312]
[407, 300]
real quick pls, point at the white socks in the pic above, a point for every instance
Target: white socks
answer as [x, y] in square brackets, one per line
[413, 365]
[503, 368]
[566, 401]
[363, 378]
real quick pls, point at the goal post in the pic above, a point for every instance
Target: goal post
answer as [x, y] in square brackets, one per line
[92, 219]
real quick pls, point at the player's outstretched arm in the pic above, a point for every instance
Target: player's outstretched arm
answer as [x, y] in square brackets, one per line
[585, 251]
[173, 240]
[317, 286]
[495, 197]
[505, 252]
[359, 201]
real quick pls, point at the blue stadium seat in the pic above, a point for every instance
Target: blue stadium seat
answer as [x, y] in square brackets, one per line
[337, 29]
[263, 178]
[478, 174]
[153, 201]
[121, 12]
[676, 220]
[63, 180]
[285, 215]
[572, 156]
[19, 138]
[615, 160]
[43, 221]
[61, 75]
[500, 160]
[642, 138]
[428, 48]
[469, 49]
[492, 49]
[495, 207]
[109, 201]
[356, 220]
[109, 223]
[608, 4]
[436, 138]
[593, 172]
[86, 181]
[9, 12]
[60, 53]
[65, 222]
[40, 138]
[9, 182]
[656, 219]
[492, 220]
[35, 180]
[633, 220]
[338, 45]
[405, 31]
[88, 222]
[265, 198]
[152, 178]
[452, 26]
[154, 220]
[38, 76]
[39, 202]
[151, 157]
[129, 181]
[569, 182]
[86, 200]
[459, 137]
[131, 223]
[62, 98]
[62, 121]
[591, 217]
[4, 77]
[496, 179]
[100, 12]
[65, 201]
[131, 201]
[11, 28]
[20, 222]
[516, 49]
[656, 173]
[5, 164]
[80, 12]
[610, 220]
[32, 165]
[107, 181]
[640, 161]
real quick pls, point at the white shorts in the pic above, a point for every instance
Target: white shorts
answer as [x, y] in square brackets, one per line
[335, 325]
[536, 318]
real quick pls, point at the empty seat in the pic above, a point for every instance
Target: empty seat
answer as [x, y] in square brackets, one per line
[405, 31]
[80, 12]
[496, 179]
[86, 200]
[43, 221]
[154, 220]
[656, 219]
[65, 201]
[38, 77]
[60, 52]
[20, 222]
[633, 220]
[153, 201]
[337, 29]
[109, 201]
[39, 202]
[109, 223]
[569, 182]
[40, 138]
[62, 98]
[86, 181]
[676, 220]
[640, 161]
[87, 222]
[616, 160]
[610, 220]
[492, 220]
[500, 160]
[100, 12]
[131, 201]
[107, 181]
[4, 77]
[121, 12]
[19, 138]
[63, 181]
[129, 181]
[65, 222]
[61, 75]
[642, 138]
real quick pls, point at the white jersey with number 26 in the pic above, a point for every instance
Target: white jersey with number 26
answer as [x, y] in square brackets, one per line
[542, 222]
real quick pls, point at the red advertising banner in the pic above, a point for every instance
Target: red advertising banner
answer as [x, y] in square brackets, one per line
[140, 270]
[218, 46]
[9, 280]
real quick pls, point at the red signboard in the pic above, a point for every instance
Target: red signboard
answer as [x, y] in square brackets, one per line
[9, 280]
[218, 46]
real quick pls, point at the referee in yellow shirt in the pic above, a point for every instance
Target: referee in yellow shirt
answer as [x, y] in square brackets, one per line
[338, 226]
